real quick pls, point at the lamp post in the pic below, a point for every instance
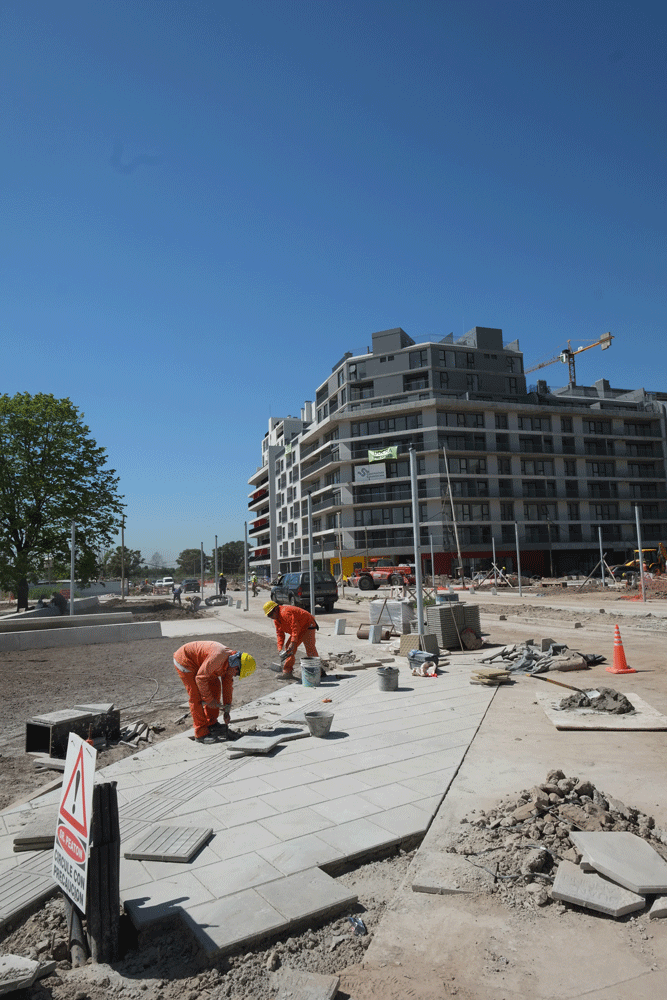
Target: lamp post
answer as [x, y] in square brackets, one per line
[311, 565]
[551, 551]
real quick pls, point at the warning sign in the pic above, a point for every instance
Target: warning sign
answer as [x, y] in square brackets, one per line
[70, 850]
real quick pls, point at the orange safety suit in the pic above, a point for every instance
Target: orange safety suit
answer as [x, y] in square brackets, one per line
[203, 667]
[299, 626]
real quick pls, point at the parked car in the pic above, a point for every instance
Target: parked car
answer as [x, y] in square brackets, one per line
[190, 585]
[294, 588]
[166, 581]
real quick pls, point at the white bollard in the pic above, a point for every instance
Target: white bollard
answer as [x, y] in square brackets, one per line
[375, 633]
[339, 626]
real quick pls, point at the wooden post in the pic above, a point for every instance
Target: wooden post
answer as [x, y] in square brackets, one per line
[103, 902]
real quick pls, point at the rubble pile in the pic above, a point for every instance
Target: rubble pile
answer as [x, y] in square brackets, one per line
[514, 849]
[604, 699]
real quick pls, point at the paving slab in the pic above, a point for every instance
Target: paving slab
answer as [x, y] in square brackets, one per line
[168, 843]
[307, 895]
[21, 889]
[659, 908]
[292, 984]
[624, 858]
[645, 717]
[594, 892]
[222, 925]
[17, 973]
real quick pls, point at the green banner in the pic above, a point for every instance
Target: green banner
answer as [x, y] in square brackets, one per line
[382, 454]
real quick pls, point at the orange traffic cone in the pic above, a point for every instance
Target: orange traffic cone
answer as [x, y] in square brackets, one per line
[620, 665]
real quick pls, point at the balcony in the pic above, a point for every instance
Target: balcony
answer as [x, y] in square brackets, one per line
[260, 525]
[258, 496]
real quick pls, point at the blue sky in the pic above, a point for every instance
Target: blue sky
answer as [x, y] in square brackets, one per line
[206, 204]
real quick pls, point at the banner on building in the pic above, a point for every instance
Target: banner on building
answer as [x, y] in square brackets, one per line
[369, 473]
[382, 454]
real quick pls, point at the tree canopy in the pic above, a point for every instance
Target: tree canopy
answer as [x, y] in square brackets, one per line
[189, 562]
[130, 561]
[51, 473]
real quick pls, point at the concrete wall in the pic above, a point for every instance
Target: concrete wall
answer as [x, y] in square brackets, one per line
[26, 623]
[82, 636]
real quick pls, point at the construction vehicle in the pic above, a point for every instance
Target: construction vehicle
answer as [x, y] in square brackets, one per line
[654, 559]
[383, 572]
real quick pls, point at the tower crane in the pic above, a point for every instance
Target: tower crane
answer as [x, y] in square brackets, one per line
[567, 356]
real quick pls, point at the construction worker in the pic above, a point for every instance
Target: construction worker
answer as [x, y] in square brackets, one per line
[253, 581]
[205, 667]
[298, 626]
[223, 584]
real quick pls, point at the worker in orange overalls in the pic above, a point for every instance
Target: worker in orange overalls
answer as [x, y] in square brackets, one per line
[205, 668]
[298, 626]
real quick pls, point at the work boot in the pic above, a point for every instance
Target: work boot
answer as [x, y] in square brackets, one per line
[208, 739]
[218, 729]
[287, 675]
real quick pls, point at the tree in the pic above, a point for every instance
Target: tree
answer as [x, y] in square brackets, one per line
[233, 557]
[131, 562]
[51, 473]
[189, 562]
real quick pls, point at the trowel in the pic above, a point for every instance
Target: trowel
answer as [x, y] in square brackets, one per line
[589, 692]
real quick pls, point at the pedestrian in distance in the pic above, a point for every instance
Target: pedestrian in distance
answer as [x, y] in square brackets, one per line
[255, 588]
[223, 584]
[207, 670]
[176, 592]
[293, 627]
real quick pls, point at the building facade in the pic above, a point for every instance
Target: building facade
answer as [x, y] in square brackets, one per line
[564, 466]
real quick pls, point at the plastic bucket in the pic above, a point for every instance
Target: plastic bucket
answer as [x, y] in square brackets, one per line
[311, 671]
[319, 723]
[388, 678]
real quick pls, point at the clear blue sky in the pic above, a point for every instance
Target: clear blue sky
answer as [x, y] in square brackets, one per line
[205, 204]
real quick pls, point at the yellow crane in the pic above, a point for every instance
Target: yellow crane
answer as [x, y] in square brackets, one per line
[567, 356]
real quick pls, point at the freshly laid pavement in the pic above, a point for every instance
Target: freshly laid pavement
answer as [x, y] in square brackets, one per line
[281, 822]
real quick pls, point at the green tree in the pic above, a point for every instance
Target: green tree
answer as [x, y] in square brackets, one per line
[132, 561]
[51, 473]
[189, 562]
[233, 558]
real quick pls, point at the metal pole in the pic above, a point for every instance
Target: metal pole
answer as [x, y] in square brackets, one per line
[201, 565]
[415, 529]
[456, 530]
[245, 562]
[640, 553]
[340, 552]
[217, 585]
[551, 552]
[518, 555]
[72, 569]
[311, 564]
[432, 564]
[601, 553]
[122, 559]
[495, 571]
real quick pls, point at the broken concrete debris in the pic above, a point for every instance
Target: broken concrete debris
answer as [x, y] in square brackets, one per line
[604, 699]
[539, 656]
[517, 850]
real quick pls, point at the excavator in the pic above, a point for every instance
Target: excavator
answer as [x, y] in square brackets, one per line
[655, 561]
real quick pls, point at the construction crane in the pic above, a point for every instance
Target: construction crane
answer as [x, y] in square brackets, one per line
[567, 356]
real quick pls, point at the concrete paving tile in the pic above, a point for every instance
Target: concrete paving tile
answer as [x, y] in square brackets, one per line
[246, 811]
[292, 984]
[168, 843]
[306, 895]
[296, 855]
[223, 878]
[21, 889]
[593, 891]
[431, 784]
[624, 858]
[133, 873]
[346, 808]
[333, 788]
[289, 779]
[404, 821]
[388, 796]
[296, 823]
[224, 924]
[211, 798]
[149, 809]
[296, 797]
[659, 908]
[235, 791]
[156, 900]
[37, 862]
[358, 837]
[243, 839]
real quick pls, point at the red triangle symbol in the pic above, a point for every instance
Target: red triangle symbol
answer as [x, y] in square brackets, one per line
[73, 808]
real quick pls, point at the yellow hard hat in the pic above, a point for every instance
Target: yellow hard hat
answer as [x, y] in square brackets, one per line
[247, 665]
[268, 607]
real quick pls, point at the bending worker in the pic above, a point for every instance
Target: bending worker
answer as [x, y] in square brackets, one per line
[205, 668]
[295, 624]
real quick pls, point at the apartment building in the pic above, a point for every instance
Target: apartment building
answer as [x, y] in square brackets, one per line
[563, 464]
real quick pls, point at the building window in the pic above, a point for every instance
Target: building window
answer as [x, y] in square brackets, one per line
[502, 442]
[418, 359]
[501, 421]
[412, 382]
[472, 383]
[341, 376]
[513, 364]
[470, 359]
[507, 512]
[504, 466]
[362, 391]
[513, 386]
[605, 511]
[573, 511]
[566, 425]
[443, 380]
[607, 469]
[570, 467]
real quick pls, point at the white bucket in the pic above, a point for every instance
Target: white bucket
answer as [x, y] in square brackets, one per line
[311, 671]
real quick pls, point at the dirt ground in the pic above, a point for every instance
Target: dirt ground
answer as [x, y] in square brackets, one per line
[139, 678]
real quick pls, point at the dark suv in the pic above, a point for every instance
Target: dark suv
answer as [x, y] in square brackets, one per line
[190, 585]
[294, 588]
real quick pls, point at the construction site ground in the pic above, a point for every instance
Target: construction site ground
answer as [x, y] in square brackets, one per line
[471, 945]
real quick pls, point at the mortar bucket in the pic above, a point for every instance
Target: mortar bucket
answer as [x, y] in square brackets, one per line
[319, 723]
[388, 678]
[311, 671]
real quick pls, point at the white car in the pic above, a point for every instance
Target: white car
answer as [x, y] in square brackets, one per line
[166, 581]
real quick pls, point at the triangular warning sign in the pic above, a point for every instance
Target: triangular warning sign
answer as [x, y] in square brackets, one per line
[73, 805]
